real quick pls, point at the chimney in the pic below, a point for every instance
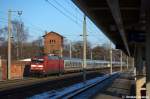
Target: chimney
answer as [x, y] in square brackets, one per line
[45, 32]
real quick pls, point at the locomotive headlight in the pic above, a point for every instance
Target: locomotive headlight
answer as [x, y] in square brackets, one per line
[40, 65]
[33, 65]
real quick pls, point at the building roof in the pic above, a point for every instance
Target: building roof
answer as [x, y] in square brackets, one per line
[120, 20]
[47, 33]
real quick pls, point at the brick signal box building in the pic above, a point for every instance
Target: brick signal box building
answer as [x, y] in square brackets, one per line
[53, 43]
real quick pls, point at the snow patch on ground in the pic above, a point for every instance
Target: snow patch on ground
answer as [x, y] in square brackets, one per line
[54, 94]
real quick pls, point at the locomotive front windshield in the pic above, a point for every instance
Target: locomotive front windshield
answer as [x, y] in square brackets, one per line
[37, 60]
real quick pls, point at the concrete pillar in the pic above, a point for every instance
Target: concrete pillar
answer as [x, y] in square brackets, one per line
[127, 63]
[133, 62]
[139, 61]
[121, 61]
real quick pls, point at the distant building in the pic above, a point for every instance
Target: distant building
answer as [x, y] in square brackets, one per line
[53, 43]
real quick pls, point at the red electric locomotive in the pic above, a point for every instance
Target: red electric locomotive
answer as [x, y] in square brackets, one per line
[46, 65]
[51, 64]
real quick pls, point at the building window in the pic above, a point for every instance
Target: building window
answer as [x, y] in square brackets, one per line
[52, 42]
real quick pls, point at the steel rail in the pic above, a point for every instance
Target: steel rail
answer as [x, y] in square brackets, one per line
[74, 90]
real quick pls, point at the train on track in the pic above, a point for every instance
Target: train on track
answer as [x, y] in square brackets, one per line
[54, 64]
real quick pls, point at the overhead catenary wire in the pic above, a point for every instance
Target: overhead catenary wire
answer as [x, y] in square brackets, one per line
[70, 13]
[90, 22]
[34, 28]
[66, 15]
[61, 12]
[31, 26]
[73, 6]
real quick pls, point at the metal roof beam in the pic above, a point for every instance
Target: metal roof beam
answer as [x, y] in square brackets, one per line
[115, 10]
[122, 8]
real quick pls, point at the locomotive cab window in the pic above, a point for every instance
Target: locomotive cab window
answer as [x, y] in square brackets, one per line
[53, 57]
[37, 60]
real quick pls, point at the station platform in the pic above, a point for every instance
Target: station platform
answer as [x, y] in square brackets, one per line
[120, 88]
[140, 85]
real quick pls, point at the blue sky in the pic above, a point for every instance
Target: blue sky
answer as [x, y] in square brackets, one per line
[39, 16]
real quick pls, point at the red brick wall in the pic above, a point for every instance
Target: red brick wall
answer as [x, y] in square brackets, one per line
[17, 69]
[53, 48]
[4, 69]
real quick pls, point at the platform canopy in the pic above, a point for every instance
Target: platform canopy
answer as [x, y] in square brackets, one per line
[122, 21]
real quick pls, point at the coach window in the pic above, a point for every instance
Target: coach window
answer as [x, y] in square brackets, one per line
[74, 64]
[68, 63]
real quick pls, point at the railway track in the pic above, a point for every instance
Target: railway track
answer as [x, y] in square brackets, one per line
[24, 90]
[14, 81]
[26, 79]
[74, 90]
[30, 87]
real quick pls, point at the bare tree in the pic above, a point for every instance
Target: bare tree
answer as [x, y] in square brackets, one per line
[19, 36]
